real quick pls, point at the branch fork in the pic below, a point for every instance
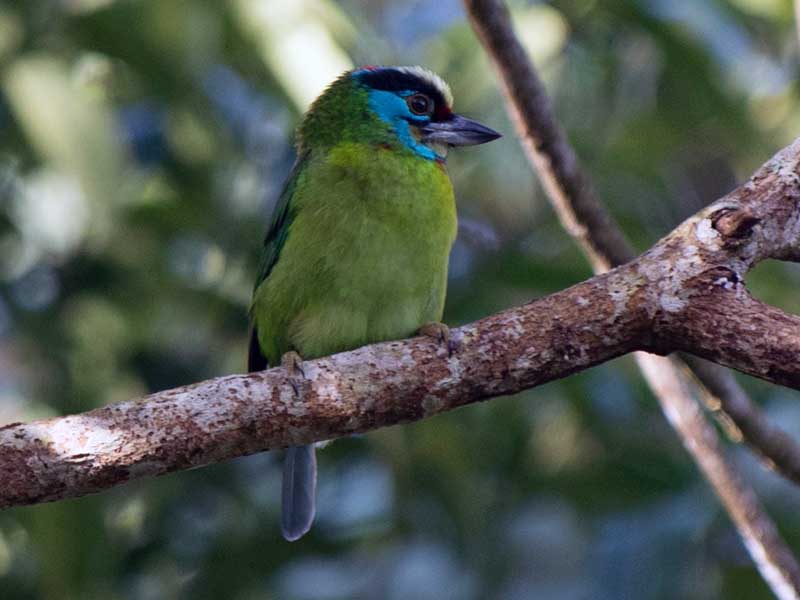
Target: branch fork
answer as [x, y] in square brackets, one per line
[684, 294]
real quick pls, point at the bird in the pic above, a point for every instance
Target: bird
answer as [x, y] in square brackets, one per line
[358, 246]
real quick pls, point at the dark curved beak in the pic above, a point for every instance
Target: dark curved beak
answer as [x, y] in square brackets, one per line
[458, 131]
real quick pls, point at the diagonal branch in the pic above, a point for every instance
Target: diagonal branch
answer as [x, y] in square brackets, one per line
[797, 17]
[374, 386]
[768, 440]
[769, 552]
[647, 304]
[568, 187]
[585, 218]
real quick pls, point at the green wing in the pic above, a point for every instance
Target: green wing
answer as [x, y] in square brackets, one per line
[281, 219]
[276, 236]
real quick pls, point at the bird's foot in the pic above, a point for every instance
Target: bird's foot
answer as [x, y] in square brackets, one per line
[293, 363]
[441, 333]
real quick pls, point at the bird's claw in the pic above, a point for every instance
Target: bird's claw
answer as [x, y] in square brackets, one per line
[441, 333]
[293, 363]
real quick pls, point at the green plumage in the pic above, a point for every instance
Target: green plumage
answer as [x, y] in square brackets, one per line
[358, 247]
[360, 255]
[358, 250]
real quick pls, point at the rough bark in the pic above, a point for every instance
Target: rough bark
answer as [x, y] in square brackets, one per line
[586, 219]
[583, 216]
[652, 303]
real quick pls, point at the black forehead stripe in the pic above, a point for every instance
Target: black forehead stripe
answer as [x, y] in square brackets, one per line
[392, 80]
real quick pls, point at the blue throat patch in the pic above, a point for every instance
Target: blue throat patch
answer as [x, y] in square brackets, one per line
[392, 108]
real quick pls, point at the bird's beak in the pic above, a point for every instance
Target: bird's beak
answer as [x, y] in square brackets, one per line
[458, 131]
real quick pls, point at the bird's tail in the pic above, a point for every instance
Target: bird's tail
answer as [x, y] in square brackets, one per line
[299, 491]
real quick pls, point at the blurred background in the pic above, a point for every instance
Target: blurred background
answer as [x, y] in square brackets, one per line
[142, 146]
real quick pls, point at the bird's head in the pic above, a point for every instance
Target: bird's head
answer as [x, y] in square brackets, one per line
[409, 108]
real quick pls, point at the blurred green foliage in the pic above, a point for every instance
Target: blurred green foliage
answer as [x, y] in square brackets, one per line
[142, 145]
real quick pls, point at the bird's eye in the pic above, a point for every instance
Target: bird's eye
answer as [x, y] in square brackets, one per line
[420, 104]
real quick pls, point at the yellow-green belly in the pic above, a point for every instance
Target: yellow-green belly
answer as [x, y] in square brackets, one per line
[366, 256]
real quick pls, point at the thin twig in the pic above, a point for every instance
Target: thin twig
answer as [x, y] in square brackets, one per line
[772, 443]
[770, 553]
[586, 219]
[583, 215]
[797, 17]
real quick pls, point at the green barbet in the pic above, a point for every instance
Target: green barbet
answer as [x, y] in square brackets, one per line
[358, 247]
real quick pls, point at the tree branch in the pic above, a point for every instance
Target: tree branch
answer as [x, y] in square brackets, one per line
[763, 438]
[648, 304]
[770, 553]
[585, 218]
[375, 386]
[568, 187]
[797, 18]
